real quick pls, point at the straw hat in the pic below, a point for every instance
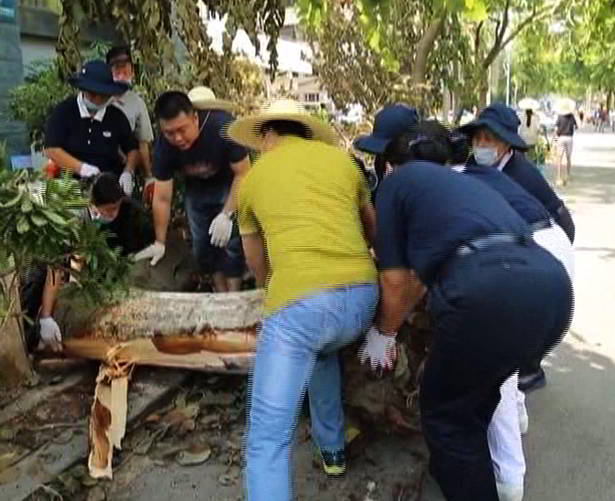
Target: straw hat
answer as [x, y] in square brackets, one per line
[203, 98]
[529, 103]
[246, 131]
[565, 106]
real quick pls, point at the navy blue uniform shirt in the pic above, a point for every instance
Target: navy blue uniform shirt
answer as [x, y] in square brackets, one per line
[88, 139]
[530, 209]
[525, 173]
[426, 211]
[207, 164]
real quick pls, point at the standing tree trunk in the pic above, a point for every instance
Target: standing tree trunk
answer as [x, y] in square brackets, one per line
[15, 366]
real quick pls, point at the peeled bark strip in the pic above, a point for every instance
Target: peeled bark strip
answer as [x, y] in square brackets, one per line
[108, 418]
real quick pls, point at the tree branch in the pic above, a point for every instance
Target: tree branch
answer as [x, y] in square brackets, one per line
[536, 15]
[477, 40]
[424, 47]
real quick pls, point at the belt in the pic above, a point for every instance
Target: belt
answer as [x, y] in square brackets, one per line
[543, 224]
[491, 241]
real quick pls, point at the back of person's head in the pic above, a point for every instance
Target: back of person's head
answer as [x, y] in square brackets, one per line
[460, 148]
[118, 51]
[171, 104]
[286, 128]
[428, 140]
[106, 190]
[528, 117]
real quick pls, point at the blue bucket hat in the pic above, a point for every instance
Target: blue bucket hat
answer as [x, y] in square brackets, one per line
[95, 76]
[390, 122]
[502, 121]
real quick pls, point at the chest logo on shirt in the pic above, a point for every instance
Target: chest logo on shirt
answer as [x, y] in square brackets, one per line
[107, 133]
[203, 170]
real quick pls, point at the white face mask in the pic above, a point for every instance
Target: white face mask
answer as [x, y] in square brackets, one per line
[486, 156]
[99, 218]
[93, 107]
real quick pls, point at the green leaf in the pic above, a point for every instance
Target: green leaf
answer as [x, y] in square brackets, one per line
[476, 10]
[26, 206]
[38, 220]
[22, 225]
[55, 218]
[14, 201]
[374, 40]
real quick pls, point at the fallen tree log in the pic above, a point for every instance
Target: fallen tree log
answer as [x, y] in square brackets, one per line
[218, 333]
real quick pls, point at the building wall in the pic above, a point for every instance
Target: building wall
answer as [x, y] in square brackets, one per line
[35, 49]
[10, 74]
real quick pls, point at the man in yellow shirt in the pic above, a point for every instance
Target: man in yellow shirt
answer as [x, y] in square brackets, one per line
[305, 217]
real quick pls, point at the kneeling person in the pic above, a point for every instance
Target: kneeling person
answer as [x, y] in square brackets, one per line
[128, 229]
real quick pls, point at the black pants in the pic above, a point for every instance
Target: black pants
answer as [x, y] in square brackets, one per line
[492, 311]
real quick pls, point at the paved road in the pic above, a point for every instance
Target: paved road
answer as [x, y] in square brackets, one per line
[570, 447]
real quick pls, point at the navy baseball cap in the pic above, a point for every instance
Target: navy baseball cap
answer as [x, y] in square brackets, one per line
[390, 122]
[502, 121]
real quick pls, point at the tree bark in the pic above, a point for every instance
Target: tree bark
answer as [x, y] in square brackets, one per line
[205, 331]
[423, 49]
[15, 366]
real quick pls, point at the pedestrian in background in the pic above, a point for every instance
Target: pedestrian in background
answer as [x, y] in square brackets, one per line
[565, 127]
[529, 130]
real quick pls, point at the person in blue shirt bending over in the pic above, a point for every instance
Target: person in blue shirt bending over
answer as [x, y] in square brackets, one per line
[495, 297]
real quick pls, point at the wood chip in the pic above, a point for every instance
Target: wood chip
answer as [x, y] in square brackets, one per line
[194, 456]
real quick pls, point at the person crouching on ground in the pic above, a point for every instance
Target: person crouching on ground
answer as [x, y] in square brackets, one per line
[304, 212]
[128, 229]
[495, 298]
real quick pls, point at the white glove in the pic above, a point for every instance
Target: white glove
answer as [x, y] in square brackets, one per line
[221, 229]
[87, 170]
[379, 349]
[154, 251]
[51, 335]
[127, 182]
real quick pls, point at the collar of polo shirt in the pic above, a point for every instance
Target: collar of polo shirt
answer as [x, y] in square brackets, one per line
[84, 113]
[504, 160]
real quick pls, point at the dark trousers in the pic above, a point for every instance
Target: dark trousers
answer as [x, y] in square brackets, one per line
[211, 259]
[492, 310]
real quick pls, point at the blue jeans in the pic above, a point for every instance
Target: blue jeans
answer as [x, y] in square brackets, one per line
[298, 350]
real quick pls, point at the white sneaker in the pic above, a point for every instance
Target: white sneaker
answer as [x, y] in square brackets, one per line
[509, 492]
